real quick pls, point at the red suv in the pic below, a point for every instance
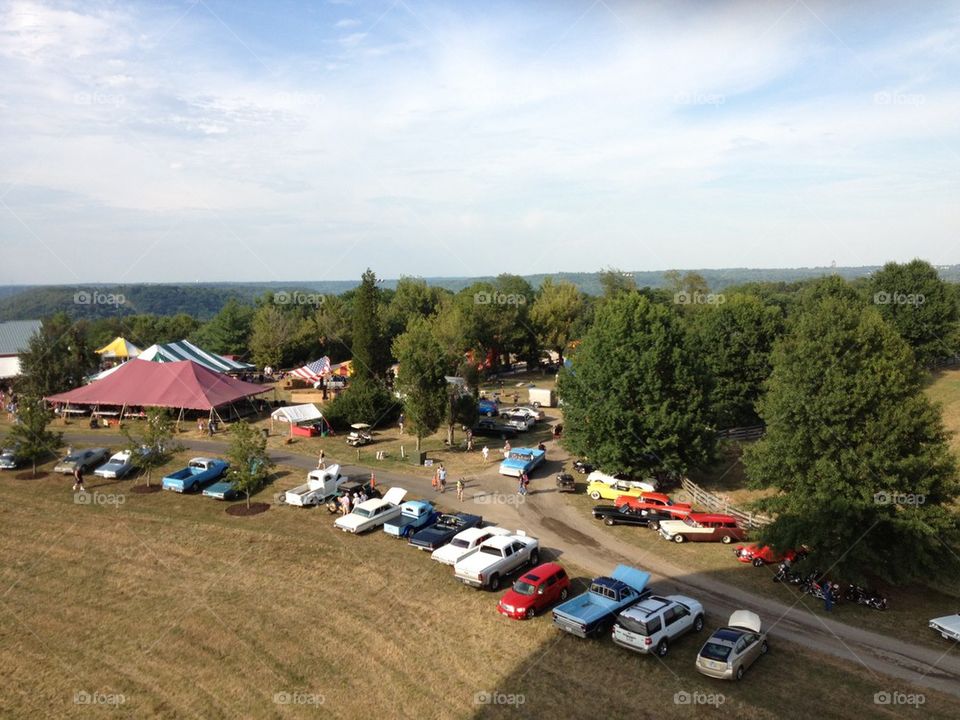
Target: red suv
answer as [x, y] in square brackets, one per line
[535, 591]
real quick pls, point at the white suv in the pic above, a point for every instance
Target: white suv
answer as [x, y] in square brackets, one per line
[652, 624]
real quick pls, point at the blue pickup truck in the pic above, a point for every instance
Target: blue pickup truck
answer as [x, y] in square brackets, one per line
[198, 473]
[414, 515]
[594, 611]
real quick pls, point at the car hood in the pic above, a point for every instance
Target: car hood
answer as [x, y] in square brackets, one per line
[637, 579]
[512, 597]
[745, 619]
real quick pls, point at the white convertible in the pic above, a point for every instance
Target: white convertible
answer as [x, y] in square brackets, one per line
[372, 513]
[321, 485]
[465, 541]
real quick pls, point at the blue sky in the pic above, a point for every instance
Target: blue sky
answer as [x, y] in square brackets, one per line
[209, 140]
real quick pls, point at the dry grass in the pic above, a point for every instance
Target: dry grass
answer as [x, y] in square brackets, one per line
[188, 612]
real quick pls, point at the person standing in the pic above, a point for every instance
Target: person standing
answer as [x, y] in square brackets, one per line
[442, 478]
[827, 596]
[506, 449]
[469, 440]
[460, 488]
[373, 482]
[78, 479]
[345, 505]
[486, 453]
[521, 490]
[321, 462]
[400, 421]
[525, 481]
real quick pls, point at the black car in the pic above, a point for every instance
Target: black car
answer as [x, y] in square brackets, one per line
[443, 530]
[565, 483]
[626, 515]
[352, 488]
[490, 428]
[583, 467]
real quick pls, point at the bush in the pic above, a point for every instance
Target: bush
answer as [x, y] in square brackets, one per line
[363, 402]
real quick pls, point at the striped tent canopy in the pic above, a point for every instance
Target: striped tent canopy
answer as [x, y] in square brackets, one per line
[186, 350]
[119, 348]
[312, 372]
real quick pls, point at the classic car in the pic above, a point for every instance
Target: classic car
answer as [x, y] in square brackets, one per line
[321, 485]
[535, 591]
[487, 564]
[485, 427]
[566, 483]
[85, 459]
[673, 512]
[222, 490]
[731, 650]
[198, 473]
[465, 541]
[9, 459]
[443, 530]
[647, 485]
[354, 489]
[652, 624]
[948, 626]
[702, 527]
[583, 467]
[593, 612]
[763, 555]
[629, 515]
[117, 466]
[599, 490]
[521, 460]
[372, 513]
[655, 498]
[414, 514]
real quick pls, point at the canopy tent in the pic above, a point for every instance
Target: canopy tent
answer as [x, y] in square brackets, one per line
[184, 385]
[342, 369]
[100, 375]
[9, 367]
[186, 350]
[119, 348]
[297, 413]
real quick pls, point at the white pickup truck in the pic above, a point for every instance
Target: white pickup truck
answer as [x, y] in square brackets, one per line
[495, 558]
[320, 485]
[465, 541]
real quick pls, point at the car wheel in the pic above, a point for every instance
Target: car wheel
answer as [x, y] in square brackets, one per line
[726, 539]
[740, 673]
[494, 583]
[563, 594]
[764, 648]
[698, 623]
[531, 612]
[662, 647]
[653, 525]
[758, 562]
[679, 538]
[534, 558]
[595, 495]
[608, 521]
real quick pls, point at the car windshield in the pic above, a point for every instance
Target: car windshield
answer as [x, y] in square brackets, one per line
[460, 543]
[520, 456]
[201, 466]
[487, 550]
[716, 651]
[523, 588]
[639, 627]
[362, 512]
[690, 521]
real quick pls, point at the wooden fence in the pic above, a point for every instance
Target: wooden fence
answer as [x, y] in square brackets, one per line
[701, 497]
[751, 432]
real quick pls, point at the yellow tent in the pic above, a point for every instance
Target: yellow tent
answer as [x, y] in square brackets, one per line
[119, 348]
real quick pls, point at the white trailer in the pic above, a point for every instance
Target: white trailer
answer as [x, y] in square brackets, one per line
[543, 397]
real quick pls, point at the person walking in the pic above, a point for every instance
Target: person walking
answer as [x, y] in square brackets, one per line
[486, 453]
[469, 440]
[506, 449]
[78, 479]
[321, 462]
[525, 481]
[373, 482]
[460, 488]
[400, 421]
[442, 478]
[521, 489]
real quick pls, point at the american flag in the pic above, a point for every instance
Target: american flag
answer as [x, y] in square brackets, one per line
[313, 371]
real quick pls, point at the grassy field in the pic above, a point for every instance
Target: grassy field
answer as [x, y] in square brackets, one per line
[164, 605]
[944, 388]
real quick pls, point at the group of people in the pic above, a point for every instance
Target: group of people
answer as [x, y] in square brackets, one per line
[348, 501]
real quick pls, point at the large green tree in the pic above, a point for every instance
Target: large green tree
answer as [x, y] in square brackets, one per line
[151, 443]
[249, 461]
[29, 435]
[228, 332]
[370, 353]
[921, 306]
[635, 397]
[856, 452]
[273, 334]
[57, 358]
[421, 378]
[558, 315]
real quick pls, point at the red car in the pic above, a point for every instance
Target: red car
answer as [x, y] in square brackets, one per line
[761, 555]
[535, 591]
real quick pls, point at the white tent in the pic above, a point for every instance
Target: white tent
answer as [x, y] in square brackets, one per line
[297, 413]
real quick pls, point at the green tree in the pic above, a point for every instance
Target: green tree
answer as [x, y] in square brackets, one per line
[615, 282]
[370, 356]
[635, 397]
[273, 334]
[413, 298]
[461, 410]
[421, 379]
[151, 444]
[849, 428]
[249, 462]
[557, 315]
[921, 306]
[57, 358]
[29, 435]
[228, 332]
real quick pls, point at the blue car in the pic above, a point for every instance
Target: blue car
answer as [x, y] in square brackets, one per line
[488, 408]
[414, 514]
[594, 611]
[522, 460]
[443, 530]
[198, 473]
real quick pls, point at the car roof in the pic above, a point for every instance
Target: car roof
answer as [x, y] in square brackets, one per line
[712, 517]
[372, 503]
[419, 504]
[541, 572]
[642, 609]
[499, 541]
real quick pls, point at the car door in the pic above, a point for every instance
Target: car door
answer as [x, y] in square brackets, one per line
[751, 649]
[677, 620]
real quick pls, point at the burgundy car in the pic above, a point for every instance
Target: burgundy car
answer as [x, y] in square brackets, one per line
[535, 591]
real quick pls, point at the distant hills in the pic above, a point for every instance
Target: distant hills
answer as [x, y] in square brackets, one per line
[203, 300]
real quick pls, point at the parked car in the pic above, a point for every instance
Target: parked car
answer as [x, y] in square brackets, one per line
[414, 514]
[647, 485]
[443, 530]
[702, 527]
[9, 458]
[593, 612]
[84, 459]
[566, 483]
[583, 467]
[654, 623]
[488, 408]
[322, 484]
[731, 650]
[948, 626]
[655, 498]
[599, 490]
[763, 555]
[628, 515]
[495, 558]
[535, 591]
[372, 513]
[117, 466]
[534, 414]
[522, 460]
[198, 473]
[352, 488]
[464, 541]
[672, 512]
[485, 427]
[519, 422]
[222, 490]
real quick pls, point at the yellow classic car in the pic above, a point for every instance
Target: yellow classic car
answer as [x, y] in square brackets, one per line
[611, 491]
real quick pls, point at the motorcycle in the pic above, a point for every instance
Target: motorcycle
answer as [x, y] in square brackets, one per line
[784, 574]
[863, 596]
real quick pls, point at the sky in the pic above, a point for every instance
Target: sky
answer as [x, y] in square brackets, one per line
[213, 140]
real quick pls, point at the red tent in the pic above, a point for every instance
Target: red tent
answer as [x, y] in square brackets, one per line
[183, 384]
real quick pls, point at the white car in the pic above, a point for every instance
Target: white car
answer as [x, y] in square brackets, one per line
[948, 626]
[533, 413]
[648, 485]
[320, 486]
[492, 560]
[117, 466]
[372, 513]
[465, 541]
[654, 623]
[517, 421]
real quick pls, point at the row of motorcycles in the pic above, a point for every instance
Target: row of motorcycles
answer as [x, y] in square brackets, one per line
[814, 584]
